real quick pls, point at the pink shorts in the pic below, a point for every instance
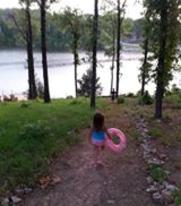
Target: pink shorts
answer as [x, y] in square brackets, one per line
[97, 142]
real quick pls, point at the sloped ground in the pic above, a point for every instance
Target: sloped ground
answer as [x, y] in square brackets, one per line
[121, 182]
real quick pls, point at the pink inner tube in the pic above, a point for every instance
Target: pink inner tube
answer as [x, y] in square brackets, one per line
[117, 148]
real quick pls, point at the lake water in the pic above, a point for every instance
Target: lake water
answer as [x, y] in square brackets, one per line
[14, 75]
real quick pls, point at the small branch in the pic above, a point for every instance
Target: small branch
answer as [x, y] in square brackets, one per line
[38, 2]
[123, 5]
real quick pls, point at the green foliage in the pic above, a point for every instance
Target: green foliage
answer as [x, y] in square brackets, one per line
[40, 88]
[173, 96]
[175, 90]
[25, 104]
[157, 173]
[155, 132]
[36, 131]
[178, 200]
[177, 196]
[121, 100]
[72, 23]
[59, 33]
[146, 99]
[29, 136]
[75, 101]
[131, 95]
[154, 9]
[85, 84]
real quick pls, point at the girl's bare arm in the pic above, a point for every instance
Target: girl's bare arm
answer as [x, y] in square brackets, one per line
[108, 134]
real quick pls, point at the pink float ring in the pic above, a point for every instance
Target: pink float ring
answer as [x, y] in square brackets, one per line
[117, 148]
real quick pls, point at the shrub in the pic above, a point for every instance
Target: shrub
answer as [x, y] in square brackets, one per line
[40, 88]
[146, 99]
[121, 100]
[177, 196]
[157, 173]
[69, 97]
[131, 95]
[85, 84]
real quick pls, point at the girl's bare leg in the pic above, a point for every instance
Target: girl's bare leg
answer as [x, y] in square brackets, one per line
[97, 154]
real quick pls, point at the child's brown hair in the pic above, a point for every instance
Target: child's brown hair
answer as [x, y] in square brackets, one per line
[98, 121]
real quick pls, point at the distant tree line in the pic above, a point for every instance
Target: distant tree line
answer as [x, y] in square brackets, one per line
[59, 37]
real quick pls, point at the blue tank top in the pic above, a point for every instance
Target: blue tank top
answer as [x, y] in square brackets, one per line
[100, 135]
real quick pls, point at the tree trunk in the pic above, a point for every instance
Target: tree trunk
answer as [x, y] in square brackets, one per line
[94, 56]
[118, 46]
[30, 90]
[44, 51]
[112, 78]
[113, 59]
[32, 85]
[161, 63]
[76, 61]
[143, 76]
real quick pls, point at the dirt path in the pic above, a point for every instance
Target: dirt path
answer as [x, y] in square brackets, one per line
[121, 183]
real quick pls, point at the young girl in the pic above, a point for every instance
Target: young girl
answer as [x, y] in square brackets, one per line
[98, 134]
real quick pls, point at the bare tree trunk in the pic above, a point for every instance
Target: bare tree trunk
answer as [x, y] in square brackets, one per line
[112, 78]
[120, 10]
[30, 90]
[113, 59]
[76, 61]
[44, 51]
[161, 63]
[33, 90]
[118, 46]
[94, 56]
[143, 76]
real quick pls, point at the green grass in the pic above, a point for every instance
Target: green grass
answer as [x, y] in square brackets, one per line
[177, 197]
[157, 173]
[175, 100]
[155, 132]
[31, 132]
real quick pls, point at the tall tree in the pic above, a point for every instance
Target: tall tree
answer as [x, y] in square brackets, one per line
[73, 25]
[145, 69]
[161, 59]
[165, 16]
[33, 90]
[120, 17]
[108, 24]
[94, 54]
[43, 4]
[25, 29]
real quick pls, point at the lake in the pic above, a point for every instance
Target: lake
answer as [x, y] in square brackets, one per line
[14, 74]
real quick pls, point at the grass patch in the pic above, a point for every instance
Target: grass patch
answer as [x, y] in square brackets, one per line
[174, 100]
[135, 134]
[155, 132]
[31, 132]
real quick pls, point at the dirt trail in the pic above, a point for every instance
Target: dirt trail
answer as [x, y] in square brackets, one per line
[121, 182]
